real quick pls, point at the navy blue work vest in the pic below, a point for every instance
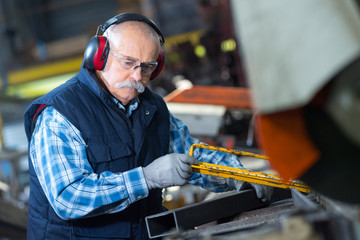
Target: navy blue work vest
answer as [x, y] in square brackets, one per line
[115, 143]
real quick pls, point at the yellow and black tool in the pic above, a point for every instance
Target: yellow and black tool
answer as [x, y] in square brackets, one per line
[242, 174]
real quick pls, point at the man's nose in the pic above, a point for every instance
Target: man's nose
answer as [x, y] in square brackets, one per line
[136, 74]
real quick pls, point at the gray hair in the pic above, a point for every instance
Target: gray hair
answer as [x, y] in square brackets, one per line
[144, 27]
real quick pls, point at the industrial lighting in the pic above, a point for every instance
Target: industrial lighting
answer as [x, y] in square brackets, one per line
[4, 187]
[200, 51]
[228, 45]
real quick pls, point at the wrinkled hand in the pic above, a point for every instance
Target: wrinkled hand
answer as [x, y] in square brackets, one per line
[169, 170]
[263, 192]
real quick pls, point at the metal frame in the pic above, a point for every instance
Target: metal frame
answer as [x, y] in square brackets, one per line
[170, 222]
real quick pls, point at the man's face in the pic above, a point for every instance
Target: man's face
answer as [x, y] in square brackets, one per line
[127, 51]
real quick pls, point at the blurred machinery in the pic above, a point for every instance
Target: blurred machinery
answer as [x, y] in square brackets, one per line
[302, 62]
[13, 175]
[217, 115]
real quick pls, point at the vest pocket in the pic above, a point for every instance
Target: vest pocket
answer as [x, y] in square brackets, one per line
[114, 157]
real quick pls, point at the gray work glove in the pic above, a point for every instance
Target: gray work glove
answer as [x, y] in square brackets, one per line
[169, 170]
[263, 192]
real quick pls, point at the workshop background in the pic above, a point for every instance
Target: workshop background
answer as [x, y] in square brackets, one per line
[204, 83]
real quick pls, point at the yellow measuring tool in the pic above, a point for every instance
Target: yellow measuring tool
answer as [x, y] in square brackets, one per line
[242, 174]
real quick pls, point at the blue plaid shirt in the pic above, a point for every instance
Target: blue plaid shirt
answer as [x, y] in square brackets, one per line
[58, 154]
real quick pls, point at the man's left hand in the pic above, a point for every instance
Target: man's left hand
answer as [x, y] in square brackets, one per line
[263, 192]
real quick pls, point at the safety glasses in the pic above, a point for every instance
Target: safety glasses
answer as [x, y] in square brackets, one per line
[131, 63]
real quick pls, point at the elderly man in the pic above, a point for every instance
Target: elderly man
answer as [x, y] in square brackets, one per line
[102, 146]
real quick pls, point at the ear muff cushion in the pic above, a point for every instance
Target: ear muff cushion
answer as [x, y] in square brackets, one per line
[160, 61]
[96, 53]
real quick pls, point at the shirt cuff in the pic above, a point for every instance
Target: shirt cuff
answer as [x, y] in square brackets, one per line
[136, 184]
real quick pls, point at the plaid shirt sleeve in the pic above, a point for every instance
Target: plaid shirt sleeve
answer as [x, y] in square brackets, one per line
[181, 141]
[58, 154]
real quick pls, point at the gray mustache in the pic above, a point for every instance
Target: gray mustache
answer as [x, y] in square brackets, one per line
[131, 84]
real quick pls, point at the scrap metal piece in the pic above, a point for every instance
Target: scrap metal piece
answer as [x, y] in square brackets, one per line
[303, 202]
[170, 222]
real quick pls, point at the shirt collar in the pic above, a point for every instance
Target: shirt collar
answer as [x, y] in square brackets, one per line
[132, 106]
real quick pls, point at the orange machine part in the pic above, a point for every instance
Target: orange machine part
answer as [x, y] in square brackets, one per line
[230, 97]
[284, 138]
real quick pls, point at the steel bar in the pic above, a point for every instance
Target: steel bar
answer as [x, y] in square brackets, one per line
[250, 219]
[187, 217]
[242, 174]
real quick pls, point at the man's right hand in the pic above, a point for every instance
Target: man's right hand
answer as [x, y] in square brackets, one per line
[169, 170]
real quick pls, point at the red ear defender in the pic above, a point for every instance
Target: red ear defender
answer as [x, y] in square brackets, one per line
[96, 53]
[160, 61]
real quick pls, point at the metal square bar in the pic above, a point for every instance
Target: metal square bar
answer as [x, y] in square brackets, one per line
[167, 223]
